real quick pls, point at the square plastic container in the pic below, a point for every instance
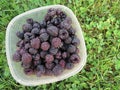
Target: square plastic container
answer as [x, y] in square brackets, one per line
[11, 40]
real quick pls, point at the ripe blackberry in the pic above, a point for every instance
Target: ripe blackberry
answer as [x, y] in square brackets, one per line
[20, 43]
[69, 65]
[41, 69]
[43, 24]
[24, 65]
[52, 30]
[17, 57]
[64, 47]
[66, 23]
[63, 15]
[47, 18]
[45, 46]
[27, 36]
[58, 55]
[63, 34]
[36, 25]
[27, 27]
[26, 39]
[76, 41]
[71, 49]
[64, 55]
[49, 58]
[20, 35]
[22, 51]
[52, 12]
[32, 51]
[35, 43]
[56, 61]
[26, 58]
[59, 11]
[53, 50]
[37, 57]
[49, 65]
[32, 36]
[74, 58]
[48, 72]
[36, 62]
[56, 42]
[27, 46]
[68, 40]
[42, 31]
[50, 24]
[71, 31]
[35, 31]
[28, 71]
[57, 70]
[56, 21]
[43, 54]
[50, 9]
[44, 37]
[62, 63]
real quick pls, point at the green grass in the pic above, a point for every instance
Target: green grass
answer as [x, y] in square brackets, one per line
[100, 22]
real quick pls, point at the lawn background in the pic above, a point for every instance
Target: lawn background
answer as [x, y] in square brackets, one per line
[100, 22]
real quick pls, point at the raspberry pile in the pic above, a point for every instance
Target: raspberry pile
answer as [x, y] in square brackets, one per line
[47, 47]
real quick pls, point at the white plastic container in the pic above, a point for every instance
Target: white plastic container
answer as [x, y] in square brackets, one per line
[11, 39]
